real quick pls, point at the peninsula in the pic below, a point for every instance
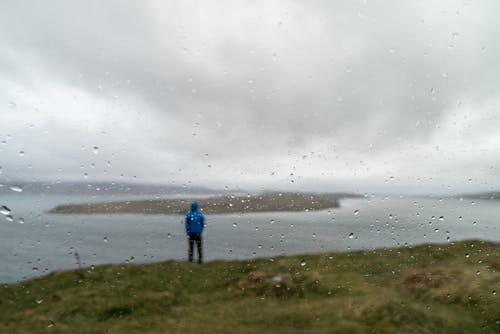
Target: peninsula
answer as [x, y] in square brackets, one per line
[267, 202]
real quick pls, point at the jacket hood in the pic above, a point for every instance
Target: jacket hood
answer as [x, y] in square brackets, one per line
[194, 206]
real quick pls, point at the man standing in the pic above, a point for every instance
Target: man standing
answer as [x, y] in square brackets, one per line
[195, 221]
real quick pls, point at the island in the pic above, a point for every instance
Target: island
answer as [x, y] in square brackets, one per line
[266, 202]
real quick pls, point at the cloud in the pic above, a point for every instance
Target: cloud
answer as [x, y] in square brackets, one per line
[240, 93]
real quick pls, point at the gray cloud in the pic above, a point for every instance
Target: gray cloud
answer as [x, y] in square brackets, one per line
[232, 93]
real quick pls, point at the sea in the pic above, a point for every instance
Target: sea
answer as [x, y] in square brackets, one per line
[34, 242]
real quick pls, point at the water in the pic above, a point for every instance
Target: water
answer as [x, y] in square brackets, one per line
[36, 242]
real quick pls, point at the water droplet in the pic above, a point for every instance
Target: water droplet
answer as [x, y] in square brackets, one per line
[441, 218]
[259, 246]
[17, 189]
[4, 210]
[21, 220]
[96, 149]
[494, 292]
[105, 239]
[271, 221]
[9, 218]
[169, 235]
[433, 90]
[314, 235]
[39, 301]
[302, 263]
[436, 230]
[21, 153]
[474, 223]
[356, 212]
[235, 225]
[467, 255]
[351, 235]
[478, 272]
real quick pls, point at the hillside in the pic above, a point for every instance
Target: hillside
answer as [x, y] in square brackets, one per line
[424, 289]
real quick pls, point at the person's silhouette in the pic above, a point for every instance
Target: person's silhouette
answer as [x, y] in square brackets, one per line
[195, 222]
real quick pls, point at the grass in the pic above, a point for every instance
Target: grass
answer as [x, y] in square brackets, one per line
[424, 289]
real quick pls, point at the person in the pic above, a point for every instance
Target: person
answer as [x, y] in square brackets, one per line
[195, 222]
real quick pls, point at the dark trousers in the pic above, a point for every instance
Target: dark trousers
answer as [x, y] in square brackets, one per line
[195, 237]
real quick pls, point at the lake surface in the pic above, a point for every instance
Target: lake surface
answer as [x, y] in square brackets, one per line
[48, 242]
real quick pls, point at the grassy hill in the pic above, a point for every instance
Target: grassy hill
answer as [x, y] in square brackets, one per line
[424, 289]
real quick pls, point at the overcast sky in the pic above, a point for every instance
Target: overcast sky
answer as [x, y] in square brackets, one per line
[368, 96]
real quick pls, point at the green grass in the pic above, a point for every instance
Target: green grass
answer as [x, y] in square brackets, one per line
[424, 289]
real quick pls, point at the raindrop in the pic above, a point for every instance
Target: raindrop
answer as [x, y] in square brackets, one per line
[96, 149]
[4, 210]
[39, 301]
[478, 272]
[494, 292]
[436, 230]
[271, 221]
[302, 263]
[259, 246]
[314, 235]
[21, 153]
[105, 239]
[235, 225]
[467, 255]
[474, 223]
[356, 212]
[169, 235]
[21, 220]
[9, 218]
[351, 235]
[17, 189]
[441, 218]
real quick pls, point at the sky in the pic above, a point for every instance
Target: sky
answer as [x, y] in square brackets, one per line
[364, 96]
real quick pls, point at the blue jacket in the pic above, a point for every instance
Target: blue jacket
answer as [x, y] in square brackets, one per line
[194, 220]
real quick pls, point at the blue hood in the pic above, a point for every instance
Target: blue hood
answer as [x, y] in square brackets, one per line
[194, 206]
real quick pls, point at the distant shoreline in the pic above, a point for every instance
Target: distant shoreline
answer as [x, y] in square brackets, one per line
[267, 202]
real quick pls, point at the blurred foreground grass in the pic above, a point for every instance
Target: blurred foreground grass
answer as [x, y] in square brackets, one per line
[451, 288]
